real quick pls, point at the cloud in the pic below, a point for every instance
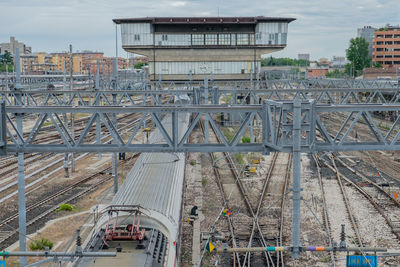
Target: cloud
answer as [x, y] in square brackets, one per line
[323, 27]
[178, 4]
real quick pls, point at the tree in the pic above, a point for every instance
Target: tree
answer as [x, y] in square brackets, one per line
[140, 65]
[357, 54]
[377, 65]
[6, 59]
[271, 61]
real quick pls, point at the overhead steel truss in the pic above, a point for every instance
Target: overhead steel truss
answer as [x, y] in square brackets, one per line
[298, 125]
[127, 80]
[359, 129]
[197, 95]
[287, 126]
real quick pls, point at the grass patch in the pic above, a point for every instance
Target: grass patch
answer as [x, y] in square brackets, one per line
[47, 123]
[384, 127]
[192, 162]
[203, 181]
[228, 136]
[41, 244]
[66, 207]
[239, 158]
[325, 259]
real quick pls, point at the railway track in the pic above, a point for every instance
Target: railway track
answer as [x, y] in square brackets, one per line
[325, 217]
[251, 223]
[272, 200]
[44, 207]
[54, 163]
[382, 203]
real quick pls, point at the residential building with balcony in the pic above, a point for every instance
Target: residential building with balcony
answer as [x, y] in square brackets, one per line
[387, 46]
[227, 47]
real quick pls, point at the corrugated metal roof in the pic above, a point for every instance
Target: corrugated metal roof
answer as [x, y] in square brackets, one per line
[156, 180]
[204, 20]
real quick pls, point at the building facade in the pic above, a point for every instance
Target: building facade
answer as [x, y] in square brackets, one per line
[82, 63]
[387, 46]
[338, 62]
[11, 47]
[368, 33]
[227, 47]
[38, 63]
[316, 72]
[304, 56]
[382, 73]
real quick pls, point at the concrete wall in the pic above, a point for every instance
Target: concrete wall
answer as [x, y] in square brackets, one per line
[206, 67]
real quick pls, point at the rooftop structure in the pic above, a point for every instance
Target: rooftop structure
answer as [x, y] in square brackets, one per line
[304, 56]
[387, 46]
[227, 47]
[12, 46]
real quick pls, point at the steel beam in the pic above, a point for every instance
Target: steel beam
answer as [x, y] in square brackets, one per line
[21, 171]
[277, 133]
[296, 174]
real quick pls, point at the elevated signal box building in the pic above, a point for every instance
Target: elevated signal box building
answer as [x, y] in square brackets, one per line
[227, 47]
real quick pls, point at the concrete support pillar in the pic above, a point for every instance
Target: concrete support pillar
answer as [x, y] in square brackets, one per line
[296, 172]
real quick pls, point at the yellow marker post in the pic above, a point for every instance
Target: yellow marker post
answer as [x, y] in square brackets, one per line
[210, 247]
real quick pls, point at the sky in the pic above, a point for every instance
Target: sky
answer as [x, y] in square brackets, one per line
[322, 28]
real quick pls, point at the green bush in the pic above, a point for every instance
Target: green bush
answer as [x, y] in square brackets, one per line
[204, 181]
[245, 139]
[192, 162]
[41, 244]
[65, 206]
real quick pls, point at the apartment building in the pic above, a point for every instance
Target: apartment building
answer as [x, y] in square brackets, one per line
[11, 47]
[386, 48]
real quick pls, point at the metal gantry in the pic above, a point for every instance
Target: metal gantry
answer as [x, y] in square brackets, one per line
[291, 116]
[287, 126]
[276, 123]
[216, 95]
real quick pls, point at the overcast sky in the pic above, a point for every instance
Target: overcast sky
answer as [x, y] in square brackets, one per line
[323, 27]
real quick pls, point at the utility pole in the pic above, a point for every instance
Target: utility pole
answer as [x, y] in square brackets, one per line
[98, 102]
[6, 76]
[114, 96]
[21, 168]
[72, 114]
[65, 116]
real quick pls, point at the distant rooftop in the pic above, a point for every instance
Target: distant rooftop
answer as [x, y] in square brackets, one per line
[204, 20]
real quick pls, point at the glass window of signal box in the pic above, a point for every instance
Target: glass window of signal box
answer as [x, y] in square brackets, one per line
[242, 39]
[211, 39]
[224, 39]
[197, 39]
